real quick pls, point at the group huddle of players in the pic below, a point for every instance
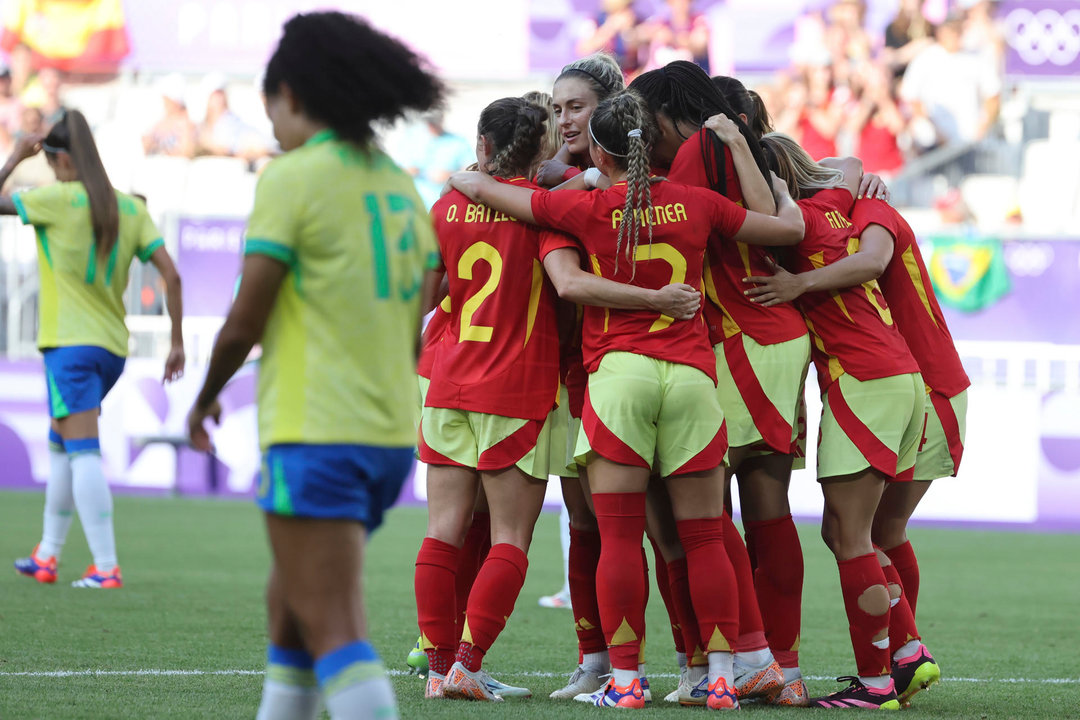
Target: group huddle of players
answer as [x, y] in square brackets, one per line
[635, 282]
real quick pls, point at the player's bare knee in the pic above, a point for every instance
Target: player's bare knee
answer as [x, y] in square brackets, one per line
[874, 600]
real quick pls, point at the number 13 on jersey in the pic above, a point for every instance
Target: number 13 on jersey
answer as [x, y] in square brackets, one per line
[393, 238]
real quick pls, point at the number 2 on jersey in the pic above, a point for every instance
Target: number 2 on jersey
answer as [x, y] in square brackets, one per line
[668, 254]
[474, 254]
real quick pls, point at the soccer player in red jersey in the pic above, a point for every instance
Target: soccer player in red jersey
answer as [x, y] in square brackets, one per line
[494, 380]
[889, 254]
[761, 362]
[651, 401]
[872, 416]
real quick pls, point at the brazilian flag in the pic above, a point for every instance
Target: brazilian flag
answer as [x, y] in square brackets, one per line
[968, 272]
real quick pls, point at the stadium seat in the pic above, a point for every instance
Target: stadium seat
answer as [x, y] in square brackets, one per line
[991, 198]
[1049, 185]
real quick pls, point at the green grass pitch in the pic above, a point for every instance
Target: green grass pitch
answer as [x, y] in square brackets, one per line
[993, 607]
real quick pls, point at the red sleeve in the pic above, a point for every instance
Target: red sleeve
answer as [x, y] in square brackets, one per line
[871, 211]
[566, 210]
[836, 199]
[725, 217]
[552, 240]
[570, 172]
[688, 167]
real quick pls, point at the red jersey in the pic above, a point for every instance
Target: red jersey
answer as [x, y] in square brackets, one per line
[431, 338]
[852, 329]
[500, 350]
[907, 288]
[682, 219]
[729, 261]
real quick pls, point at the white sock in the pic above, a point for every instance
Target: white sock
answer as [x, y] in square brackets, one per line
[721, 665]
[791, 674]
[288, 702]
[754, 658]
[596, 662]
[641, 669]
[697, 672]
[623, 678]
[906, 650]
[94, 503]
[371, 699]
[564, 539]
[878, 683]
[680, 658]
[59, 505]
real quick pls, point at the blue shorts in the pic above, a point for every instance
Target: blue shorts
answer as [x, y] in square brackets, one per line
[333, 482]
[79, 377]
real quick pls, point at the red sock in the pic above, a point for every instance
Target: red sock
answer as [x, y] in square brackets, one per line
[903, 559]
[751, 629]
[858, 575]
[436, 566]
[645, 604]
[712, 582]
[620, 586]
[584, 559]
[679, 579]
[473, 552]
[492, 601]
[902, 629]
[663, 584]
[778, 579]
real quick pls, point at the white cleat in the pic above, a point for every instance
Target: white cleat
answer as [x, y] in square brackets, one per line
[582, 682]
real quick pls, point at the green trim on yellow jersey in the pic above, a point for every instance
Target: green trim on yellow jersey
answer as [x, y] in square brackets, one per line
[44, 240]
[320, 137]
[275, 250]
[19, 208]
[145, 253]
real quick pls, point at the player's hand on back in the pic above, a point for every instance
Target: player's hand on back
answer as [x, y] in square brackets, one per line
[678, 300]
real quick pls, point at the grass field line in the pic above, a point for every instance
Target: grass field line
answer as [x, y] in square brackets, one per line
[399, 673]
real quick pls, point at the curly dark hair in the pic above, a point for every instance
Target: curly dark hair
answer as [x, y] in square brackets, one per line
[347, 74]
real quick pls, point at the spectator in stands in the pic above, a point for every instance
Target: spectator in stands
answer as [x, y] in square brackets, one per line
[44, 92]
[906, 36]
[34, 171]
[877, 123]
[847, 40]
[615, 32]
[223, 132]
[982, 35]
[676, 33]
[959, 93]
[10, 107]
[813, 111]
[443, 154]
[174, 134]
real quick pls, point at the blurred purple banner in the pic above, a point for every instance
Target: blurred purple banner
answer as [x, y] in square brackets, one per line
[208, 257]
[1043, 37]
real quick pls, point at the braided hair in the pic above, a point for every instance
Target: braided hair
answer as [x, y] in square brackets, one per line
[621, 127]
[515, 128]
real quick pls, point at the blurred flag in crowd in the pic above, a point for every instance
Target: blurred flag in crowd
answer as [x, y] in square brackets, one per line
[81, 36]
[968, 272]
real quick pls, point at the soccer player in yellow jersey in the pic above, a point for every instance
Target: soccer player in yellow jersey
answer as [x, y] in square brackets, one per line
[336, 251]
[88, 234]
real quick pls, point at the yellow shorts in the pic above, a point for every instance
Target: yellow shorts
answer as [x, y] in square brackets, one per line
[871, 424]
[759, 387]
[449, 436]
[563, 441]
[943, 439]
[652, 413]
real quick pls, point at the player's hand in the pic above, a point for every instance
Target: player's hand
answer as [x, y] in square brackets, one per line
[872, 186]
[174, 364]
[551, 173]
[469, 183]
[780, 287]
[678, 300]
[725, 128]
[27, 146]
[779, 187]
[200, 438]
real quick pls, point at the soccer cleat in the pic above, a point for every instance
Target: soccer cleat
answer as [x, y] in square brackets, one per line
[560, 599]
[95, 579]
[762, 683]
[794, 694]
[433, 688]
[645, 690]
[914, 673]
[582, 682]
[41, 569]
[632, 696]
[857, 695]
[417, 660]
[696, 694]
[722, 696]
[502, 689]
[464, 685]
[684, 686]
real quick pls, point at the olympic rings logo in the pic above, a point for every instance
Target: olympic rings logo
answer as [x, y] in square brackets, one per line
[1029, 258]
[1044, 36]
